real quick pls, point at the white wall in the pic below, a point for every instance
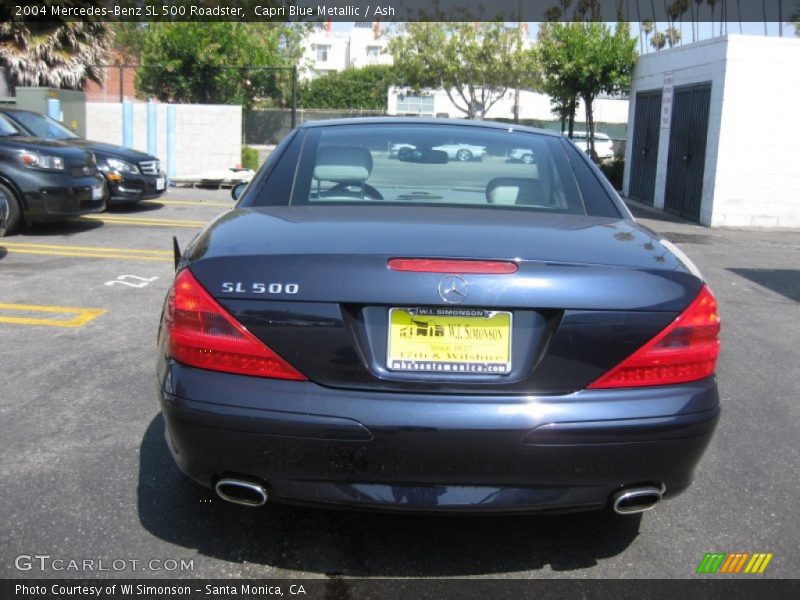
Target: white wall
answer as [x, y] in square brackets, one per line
[758, 170]
[208, 137]
[751, 175]
[532, 105]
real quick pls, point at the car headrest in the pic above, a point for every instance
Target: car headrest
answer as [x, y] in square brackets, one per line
[343, 164]
[515, 190]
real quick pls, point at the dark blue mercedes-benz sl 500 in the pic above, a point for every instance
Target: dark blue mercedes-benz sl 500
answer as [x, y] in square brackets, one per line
[427, 334]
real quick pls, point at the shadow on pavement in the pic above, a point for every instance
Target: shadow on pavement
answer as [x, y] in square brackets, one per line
[643, 211]
[333, 542]
[70, 227]
[785, 282]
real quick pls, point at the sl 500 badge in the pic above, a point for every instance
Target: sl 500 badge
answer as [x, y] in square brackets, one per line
[238, 287]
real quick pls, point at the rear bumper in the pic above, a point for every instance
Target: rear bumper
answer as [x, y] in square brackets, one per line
[428, 452]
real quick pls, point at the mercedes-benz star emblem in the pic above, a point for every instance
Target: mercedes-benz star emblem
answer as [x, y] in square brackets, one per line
[453, 289]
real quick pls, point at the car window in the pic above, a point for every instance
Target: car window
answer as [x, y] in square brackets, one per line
[45, 127]
[435, 165]
[7, 128]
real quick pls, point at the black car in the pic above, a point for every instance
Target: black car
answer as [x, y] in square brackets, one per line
[436, 335]
[44, 180]
[3, 214]
[131, 175]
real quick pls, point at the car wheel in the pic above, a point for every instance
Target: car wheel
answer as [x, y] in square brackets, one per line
[14, 217]
[527, 159]
[464, 155]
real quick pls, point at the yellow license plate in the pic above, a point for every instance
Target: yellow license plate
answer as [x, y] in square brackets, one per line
[449, 340]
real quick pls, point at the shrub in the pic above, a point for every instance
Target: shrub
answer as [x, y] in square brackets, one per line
[614, 170]
[249, 158]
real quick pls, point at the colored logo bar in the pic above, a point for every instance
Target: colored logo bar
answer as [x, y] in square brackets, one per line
[734, 562]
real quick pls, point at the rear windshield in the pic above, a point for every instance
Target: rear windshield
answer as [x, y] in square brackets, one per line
[436, 165]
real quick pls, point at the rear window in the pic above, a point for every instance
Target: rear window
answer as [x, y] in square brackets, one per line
[436, 165]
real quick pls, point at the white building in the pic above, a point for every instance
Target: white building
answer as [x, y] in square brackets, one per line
[532, 105]
[712, 136]
[328, 51]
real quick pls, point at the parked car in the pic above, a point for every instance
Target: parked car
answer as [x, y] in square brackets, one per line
[523, 155]
[603, 145]
[44, 180]
[131, 175]
[455, 151]
[3, 213]
[409, 335]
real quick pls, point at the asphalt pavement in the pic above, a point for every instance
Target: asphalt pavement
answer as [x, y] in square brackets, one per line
[87, 476]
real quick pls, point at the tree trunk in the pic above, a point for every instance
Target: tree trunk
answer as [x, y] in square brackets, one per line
[655, 23]
[587, 103]
[571, 124]
[639, 21]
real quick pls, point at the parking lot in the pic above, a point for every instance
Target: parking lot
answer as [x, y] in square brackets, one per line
[86, 473]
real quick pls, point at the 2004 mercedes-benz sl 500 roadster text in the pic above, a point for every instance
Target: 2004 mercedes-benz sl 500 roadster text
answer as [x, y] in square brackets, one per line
[430, 334]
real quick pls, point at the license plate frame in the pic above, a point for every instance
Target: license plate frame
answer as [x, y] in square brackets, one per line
[473, 341]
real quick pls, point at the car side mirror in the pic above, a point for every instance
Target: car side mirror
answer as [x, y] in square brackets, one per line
[237, 190]
[3, 213]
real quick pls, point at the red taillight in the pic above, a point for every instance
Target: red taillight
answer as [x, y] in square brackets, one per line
[686, 350]
[434, 265]
[202, 334]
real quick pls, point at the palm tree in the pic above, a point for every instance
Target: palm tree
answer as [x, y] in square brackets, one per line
[673, 36]
[658, 41]
[54, 54]
[739, 14]
[712, 4]
[639, 19]
[696, 19]
[647, 27]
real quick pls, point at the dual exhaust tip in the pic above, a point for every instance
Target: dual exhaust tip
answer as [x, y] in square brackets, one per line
[627, 501]
[637, 499]
[241, 491]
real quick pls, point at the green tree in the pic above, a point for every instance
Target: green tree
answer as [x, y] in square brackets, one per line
[56, 53]
[795, 20]
[216, 62]
[365, 88]
[582, 60]
[127, 45]
[474, 63]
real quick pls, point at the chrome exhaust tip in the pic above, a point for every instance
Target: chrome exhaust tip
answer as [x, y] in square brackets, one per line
[239, 491]
[637, 499]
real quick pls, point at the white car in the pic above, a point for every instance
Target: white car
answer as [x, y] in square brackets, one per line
[603, 144]
[523, 155]
[455, 151]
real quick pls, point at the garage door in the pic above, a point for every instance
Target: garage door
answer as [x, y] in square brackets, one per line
[687, 150]
[645, 146]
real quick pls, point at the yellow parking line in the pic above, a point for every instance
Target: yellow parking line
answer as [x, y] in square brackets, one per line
[92, 255]
[144, 221]
[81, 318]
[228, 205]
[90, 248]
[88, 251]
